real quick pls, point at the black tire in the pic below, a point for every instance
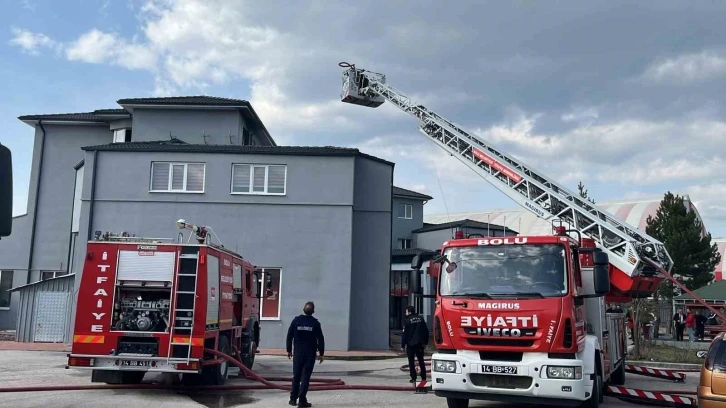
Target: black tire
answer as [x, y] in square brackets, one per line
[248, 352]
[597, 395]
[457, 403]
[217, 374]
[618, 376]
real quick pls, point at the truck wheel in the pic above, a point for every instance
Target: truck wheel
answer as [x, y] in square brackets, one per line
[248, 354]
[217, 374]
[618, 376]
[597, 396]
[457, 403]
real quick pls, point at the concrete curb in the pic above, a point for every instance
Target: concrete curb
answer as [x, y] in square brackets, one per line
[664, 365]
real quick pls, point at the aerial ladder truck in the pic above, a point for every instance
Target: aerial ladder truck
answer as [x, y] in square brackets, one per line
[523, 319]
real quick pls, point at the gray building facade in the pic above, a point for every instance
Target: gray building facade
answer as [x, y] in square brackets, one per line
[317, 220]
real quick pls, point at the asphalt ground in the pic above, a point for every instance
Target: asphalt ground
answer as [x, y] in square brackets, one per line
[25, 368]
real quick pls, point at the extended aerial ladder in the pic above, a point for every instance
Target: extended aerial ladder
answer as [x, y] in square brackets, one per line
[639, 262]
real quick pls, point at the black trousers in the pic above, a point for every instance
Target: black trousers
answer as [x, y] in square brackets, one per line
[418, 352]
[679, 331]
[302, 369]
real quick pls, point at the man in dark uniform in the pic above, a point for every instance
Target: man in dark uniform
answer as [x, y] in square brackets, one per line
[308, 337]
[415, 338]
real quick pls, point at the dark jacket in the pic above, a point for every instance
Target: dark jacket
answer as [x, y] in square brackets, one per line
[307, 335]
[415, 331]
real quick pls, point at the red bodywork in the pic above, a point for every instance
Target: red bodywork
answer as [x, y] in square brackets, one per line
[555, 317]
[98, 300]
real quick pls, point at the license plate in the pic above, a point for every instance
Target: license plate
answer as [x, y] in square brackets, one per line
[135, 363]
[499, 369]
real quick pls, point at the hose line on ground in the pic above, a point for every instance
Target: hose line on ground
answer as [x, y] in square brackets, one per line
[323, 384]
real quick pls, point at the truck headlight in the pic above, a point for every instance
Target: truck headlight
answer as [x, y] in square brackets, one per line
[564, 372]
[444, 366]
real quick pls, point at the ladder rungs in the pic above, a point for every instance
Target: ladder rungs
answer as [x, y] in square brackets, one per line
[187, 274]
[189, 256]
[184, 310]
[186, 292]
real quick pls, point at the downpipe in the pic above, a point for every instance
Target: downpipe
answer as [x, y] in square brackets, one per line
[323, 384]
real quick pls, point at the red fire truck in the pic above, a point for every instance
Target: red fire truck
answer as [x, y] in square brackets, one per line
[154, 305]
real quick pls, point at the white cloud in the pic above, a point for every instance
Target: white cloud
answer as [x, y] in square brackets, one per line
[688, 68]
[709, 200]
[97, 47]
[31, 42]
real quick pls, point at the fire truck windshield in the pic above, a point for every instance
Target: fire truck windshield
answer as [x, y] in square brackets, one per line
[525, 270]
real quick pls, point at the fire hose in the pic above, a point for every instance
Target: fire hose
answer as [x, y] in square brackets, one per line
[324, 384]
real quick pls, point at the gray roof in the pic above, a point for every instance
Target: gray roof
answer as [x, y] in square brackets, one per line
[185, 100]
[402, 192]
[412, 252]
[460, 224]
[176, 145]
[69, 117]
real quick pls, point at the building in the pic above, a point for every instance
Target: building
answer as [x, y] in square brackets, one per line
[718, 273]
[318, 220]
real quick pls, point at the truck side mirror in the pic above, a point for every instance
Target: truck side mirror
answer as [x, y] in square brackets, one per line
[6, 186]
[417, 263]
[416, 281]
[596, 279]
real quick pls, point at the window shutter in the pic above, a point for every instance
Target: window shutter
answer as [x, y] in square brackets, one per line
[195, 177]
[160, 176]
[177, 177]
[276, 180]
[258, 183]
[241, 178]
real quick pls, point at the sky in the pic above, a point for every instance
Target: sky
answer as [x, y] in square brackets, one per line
[626, 97]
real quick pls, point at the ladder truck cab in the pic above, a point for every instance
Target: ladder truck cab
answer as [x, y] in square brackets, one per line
[154, 304]
[522, 319]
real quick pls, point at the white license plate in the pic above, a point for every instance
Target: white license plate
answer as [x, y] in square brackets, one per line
[489, 369]
[135, 363]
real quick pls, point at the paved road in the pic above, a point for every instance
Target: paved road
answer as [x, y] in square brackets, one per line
[22, 368]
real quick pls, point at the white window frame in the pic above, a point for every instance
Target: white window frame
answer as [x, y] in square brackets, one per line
[263, 275]
[171, 176]
[55, 274]
[119, 135]
[405, 210]
[403, 241]
[12, 274]
[252, 177]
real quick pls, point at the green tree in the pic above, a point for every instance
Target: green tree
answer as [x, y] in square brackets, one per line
[583, 192]
[694, 256]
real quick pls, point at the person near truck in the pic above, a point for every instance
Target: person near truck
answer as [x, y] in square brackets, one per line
[306, 334]
[414, 340]
[678, 320]
[691, 326]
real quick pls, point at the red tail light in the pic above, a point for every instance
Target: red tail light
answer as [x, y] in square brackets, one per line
[194, 365]
[80, 362]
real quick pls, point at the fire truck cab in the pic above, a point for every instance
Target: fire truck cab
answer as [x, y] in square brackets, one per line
[154, 305]
[522, 319]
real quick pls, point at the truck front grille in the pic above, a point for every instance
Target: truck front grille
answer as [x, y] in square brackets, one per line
[509, 382]
[500, 342]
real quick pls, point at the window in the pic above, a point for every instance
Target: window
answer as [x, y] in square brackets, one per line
[172, 177]
[6, 283]
[122, 135]
[404, 243]
[76, 223]
[45, 275]
[405, 211]
[270, 305]
[259, 179]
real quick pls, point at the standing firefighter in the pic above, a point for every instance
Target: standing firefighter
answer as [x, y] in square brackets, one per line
[308, 338]
[415, 339]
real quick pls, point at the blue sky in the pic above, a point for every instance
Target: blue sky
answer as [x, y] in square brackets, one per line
[628, 98]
